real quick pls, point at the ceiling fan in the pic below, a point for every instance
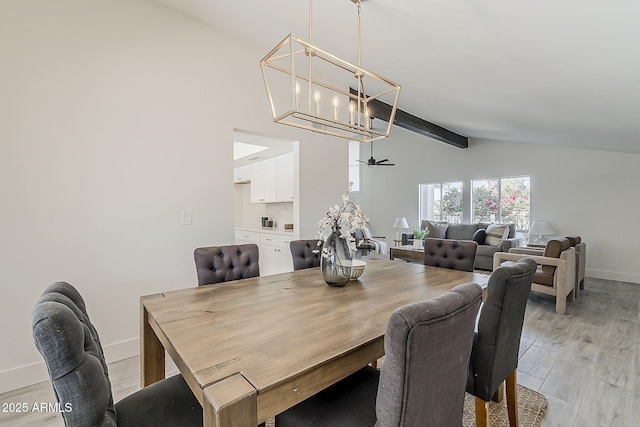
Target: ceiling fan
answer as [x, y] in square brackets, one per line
[374, 162]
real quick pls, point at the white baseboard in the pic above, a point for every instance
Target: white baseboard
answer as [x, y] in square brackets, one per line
[34, 373]
[613, 275]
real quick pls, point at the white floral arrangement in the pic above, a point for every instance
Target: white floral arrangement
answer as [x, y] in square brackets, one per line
[346, 219]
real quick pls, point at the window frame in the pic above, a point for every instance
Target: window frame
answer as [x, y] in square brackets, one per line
[499, 216]
[430, 214]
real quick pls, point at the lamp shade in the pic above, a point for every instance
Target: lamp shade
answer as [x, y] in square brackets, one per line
[541, 227]
[400, 223]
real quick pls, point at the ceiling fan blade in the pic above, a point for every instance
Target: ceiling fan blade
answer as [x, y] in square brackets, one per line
[382, 161]
[386, 164]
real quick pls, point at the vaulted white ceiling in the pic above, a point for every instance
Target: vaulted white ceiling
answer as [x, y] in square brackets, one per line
[562, 72]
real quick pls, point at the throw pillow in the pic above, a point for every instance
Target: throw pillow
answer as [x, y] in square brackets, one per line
[437, 230]
[479, 236]
[496, 233]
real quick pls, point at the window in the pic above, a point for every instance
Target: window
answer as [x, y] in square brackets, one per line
[502, 200]
[441, 201]
[354, 166]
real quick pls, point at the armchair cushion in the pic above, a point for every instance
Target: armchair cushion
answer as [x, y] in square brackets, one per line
[553, 249]
[574, 240]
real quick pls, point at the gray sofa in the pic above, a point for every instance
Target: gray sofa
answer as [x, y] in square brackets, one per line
[484, 256]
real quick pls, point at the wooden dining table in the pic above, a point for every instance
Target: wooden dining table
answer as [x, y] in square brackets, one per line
[250, 349]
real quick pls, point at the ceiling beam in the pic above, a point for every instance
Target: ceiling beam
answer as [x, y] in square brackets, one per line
[381, 110]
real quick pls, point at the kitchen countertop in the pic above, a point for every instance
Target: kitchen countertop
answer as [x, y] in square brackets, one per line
[278, 230]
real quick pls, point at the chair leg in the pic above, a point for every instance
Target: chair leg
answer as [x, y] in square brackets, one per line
[561, 304]
[482, 413]
[499, 393]
[512, 399]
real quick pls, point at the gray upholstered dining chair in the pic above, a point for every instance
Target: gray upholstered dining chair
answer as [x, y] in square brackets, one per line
[305, 253]
[494, 357]
[422, 380]
[217, 264]
[71, 349]
[449, 253]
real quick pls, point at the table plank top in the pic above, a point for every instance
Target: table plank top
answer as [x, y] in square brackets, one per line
[273, 328]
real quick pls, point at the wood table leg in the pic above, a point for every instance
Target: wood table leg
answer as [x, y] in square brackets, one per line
[231, 402]
[151, 352]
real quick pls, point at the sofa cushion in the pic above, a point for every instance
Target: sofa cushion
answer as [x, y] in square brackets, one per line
[512, 228]
[461, 231]
[437, 230]
[486, 250]
[496, 233]
[479, 236]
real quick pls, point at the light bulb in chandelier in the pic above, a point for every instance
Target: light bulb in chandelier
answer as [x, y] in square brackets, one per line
[317, 97]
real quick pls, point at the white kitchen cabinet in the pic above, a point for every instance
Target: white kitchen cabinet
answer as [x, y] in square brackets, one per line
[272, 180]
[285, 259]
[274, 251]
[242, 174]
[269, 254]
[264, 180]
[244, 236]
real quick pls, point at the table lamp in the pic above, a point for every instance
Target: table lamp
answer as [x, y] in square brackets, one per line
[400, 223]
[541, 228]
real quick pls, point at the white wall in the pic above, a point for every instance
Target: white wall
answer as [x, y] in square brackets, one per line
[591, 193]
[117, 115]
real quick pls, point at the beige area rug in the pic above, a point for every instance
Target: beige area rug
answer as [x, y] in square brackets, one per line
[531, 407]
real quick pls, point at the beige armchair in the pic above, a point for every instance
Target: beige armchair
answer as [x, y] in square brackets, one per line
[556, 272]
[581, 257]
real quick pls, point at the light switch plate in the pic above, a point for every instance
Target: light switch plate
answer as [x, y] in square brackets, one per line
[186, 217]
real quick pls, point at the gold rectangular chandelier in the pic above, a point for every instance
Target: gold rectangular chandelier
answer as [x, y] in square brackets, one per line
[313, 89]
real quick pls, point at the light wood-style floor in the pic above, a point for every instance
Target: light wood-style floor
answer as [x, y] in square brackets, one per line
[587, 362]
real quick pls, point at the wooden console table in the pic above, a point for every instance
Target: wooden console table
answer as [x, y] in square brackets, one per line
[407, 252]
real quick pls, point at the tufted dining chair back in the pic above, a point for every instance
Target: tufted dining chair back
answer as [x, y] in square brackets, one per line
[71, 348]
[450, 253]
[305, 253]
[217, 264]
